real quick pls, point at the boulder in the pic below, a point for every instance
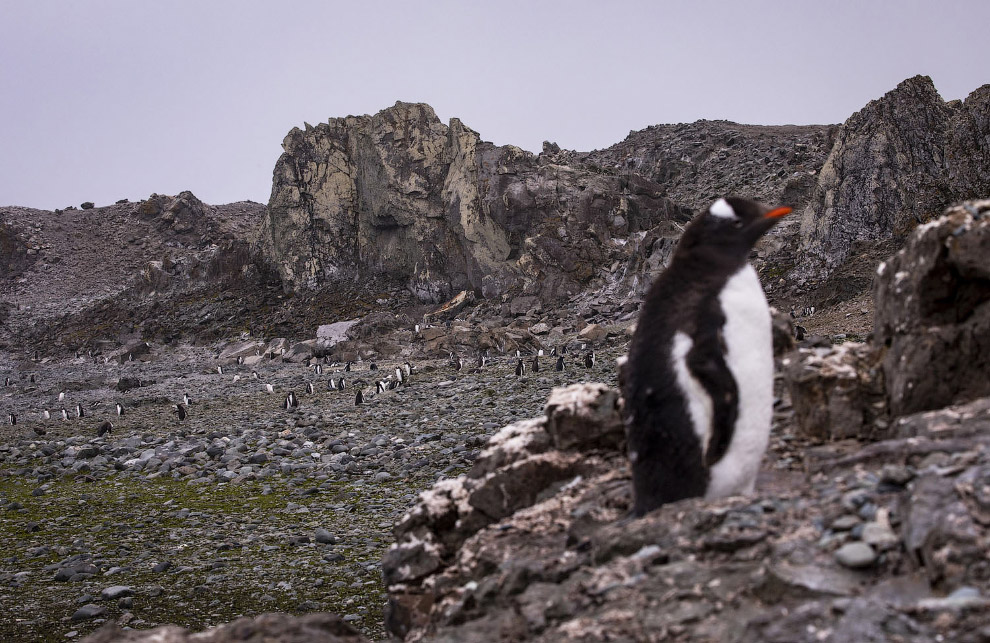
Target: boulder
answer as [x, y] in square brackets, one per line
[837, 392]
[244, 348]
[932, 317]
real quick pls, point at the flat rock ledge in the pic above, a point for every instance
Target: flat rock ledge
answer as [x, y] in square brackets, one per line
[285, 628]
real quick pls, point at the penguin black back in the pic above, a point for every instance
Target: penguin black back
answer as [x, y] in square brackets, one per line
[681, 397]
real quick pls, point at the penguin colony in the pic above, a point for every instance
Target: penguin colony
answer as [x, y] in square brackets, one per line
[698, 382]
[399, 376]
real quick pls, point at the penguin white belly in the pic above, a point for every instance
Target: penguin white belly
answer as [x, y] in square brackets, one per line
[749, 357]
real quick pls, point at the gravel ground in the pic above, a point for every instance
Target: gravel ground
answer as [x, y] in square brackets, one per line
[243, 507]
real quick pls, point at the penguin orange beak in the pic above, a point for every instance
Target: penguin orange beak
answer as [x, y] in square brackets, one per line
[776, 213]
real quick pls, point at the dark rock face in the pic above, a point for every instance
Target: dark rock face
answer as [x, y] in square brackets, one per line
[895, 163]
[401, 194]
[933, 312]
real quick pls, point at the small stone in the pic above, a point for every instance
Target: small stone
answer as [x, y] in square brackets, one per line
[116, 591]
[845, 523]
[324, 537]
[856, 555]
[88, 611]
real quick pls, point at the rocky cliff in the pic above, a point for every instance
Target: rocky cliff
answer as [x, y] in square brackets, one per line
[432, 205]
[896, 163]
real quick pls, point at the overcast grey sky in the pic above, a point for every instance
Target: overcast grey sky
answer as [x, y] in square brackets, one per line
[109, 99]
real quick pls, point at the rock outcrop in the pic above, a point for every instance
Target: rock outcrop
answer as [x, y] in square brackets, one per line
[933, 312]
[435, 207]
[309, 628]
[895, 163]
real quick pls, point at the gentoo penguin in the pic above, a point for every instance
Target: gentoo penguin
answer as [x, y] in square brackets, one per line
[373, 367]
[539, 353]
[32, 378]
[407, 368]
[347, 367]
[698, 382]
[398, 375]
[536, 363]
[185, 399]
[254, 375]
[80, 411]
[61, 396]
[309, 388]
[589, 360]
[291, 402]
[240, 359]
[520, 368]
[359, 398]
[220, 370]
[799, 332]
[105, 428]
[46, 415]
[180, 411]
[65, 414]
[237, 378]
[560, 363]
[380, 387]
[340, 384]
[11, 419]
[120, 409]
[269, 387]
[6, 381]
[319, 369]
[332, 384]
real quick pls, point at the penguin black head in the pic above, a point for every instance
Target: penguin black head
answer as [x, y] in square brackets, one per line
[727, 232]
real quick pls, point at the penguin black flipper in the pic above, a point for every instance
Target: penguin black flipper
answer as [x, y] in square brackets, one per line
[706, 362]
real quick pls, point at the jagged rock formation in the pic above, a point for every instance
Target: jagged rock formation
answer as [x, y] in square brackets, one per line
[895, 163]
[434, 206]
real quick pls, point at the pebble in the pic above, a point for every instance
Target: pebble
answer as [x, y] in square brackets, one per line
[855, 555]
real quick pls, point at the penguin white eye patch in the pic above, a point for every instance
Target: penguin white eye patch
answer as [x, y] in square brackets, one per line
[723, 210]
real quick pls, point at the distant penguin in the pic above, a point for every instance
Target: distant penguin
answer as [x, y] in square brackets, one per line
[319, 369]
[536, 363]
[219, 370]
[105, 428]
[398, 375]
[120, 409]
[11, 419]
[65, 414]
[379, 387]
[459, 364]
[180, 411]
[309, 388]
[553, 352]
[416, 329]
[290, 401]
[698, 382]
[392, 385]
[799, 332]
[407, 368]
[347, 367]
[80, 411]
[373, 367]
[560, 363]
[185, 399]
[61, 396]
[32, 378]
[269, 387]
[240, 359]
[6, 381]
[254, 375]
[237, 378]
[340, 384]
[482, 360]
[332, 384]
[520, 368]
[539, 353]
[589, 360]
[359, 398]
[46, 415]
[518, 353]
